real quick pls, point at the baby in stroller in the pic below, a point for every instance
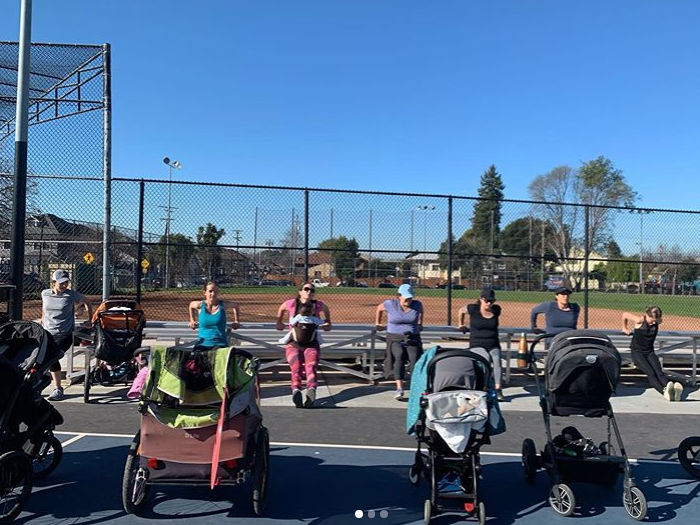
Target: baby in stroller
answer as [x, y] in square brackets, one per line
[452, 411]
[28, 448]
[201, 424]
[118, 331]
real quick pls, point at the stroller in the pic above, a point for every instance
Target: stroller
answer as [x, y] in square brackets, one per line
[28, 448]
[200, 425]
[581, 373]
[116, 344]
[689, 455]
[453, 422]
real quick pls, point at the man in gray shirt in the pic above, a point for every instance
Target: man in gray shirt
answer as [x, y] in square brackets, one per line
[58, 318]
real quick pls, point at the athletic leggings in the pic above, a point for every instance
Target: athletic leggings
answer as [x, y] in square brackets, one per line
[403, 350]
[495, 353]
[302, 360]
[648, 362]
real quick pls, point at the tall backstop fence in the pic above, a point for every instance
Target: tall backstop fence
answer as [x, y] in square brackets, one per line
[69, 135]
[257, 242]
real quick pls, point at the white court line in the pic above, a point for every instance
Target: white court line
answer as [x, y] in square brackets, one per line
[71, 440]
[352, 447]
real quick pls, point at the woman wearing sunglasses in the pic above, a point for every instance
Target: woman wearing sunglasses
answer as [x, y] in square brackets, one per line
[483, 330]
[303, 359]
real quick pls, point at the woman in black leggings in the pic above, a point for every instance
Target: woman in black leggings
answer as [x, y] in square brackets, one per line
[645, 328]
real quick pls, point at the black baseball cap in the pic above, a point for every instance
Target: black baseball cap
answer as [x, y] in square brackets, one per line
[562, 290]
[488, 294]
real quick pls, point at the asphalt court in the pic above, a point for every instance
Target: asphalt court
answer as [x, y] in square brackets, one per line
[332, 484]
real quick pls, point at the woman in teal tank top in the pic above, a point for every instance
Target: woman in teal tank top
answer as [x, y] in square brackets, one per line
[209, 316]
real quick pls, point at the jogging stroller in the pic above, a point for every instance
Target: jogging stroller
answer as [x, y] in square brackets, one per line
[28, 448]
[200, 425]
[453, 422]
[116, 344]
[689, 455]
[581, 373]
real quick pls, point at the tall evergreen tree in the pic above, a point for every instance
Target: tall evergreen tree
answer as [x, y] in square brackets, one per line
[487, 213]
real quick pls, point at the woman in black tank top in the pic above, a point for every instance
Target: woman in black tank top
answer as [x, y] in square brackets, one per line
[643, 329]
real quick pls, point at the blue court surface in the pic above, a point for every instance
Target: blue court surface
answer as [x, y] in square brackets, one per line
[326, 484]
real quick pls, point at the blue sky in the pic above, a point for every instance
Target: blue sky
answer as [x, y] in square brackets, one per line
[396, 95]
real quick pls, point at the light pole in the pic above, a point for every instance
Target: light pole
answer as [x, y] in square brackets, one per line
[425, 210]
[641, 246]
[176, 165]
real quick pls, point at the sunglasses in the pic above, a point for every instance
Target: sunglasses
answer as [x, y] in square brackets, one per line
[311, 290]
[488, 300]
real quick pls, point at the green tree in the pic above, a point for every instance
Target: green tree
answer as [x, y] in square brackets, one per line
[208, 252]
[597, 184]
[344, 254]
[486, 219]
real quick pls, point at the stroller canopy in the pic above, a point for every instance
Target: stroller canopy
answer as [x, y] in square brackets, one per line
[25, 344]
[582, 372]
[187, 384]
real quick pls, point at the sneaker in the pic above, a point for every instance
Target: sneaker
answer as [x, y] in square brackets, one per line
[296, 397]
[310, 397]
[677, 391]
[398, 394]
[499, 395]
[669, 393]
[57, 394]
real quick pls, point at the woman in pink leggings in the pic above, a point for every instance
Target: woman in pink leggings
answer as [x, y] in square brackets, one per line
[303, 358]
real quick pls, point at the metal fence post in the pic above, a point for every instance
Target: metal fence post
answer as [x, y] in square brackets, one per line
[139, 245]
[306, 235]
[107, 166]
[586, 255]
[449, 261]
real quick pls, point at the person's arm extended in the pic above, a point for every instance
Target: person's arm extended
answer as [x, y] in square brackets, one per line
[420, 318]
[630, 318]
[280, 316]
[236, 316]
[327, 316]
[81, 300]
[537, 310]
[462, 314]
[194, 313]
[378, 314]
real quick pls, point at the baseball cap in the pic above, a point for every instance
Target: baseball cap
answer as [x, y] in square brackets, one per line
[406, 290]
[61, 276]
[488, 294]
[561, 290]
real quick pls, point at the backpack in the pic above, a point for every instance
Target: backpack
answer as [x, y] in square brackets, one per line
[304, 333]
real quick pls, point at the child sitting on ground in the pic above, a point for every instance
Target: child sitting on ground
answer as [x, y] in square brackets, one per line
[304, 325]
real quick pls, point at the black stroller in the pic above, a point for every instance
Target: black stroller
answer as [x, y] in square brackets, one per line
[28, 448]
[453, 424]
[581, 373]
[118, 331]
[689, 455]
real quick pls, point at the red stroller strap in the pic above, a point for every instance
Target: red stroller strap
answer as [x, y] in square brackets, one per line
[214, 480]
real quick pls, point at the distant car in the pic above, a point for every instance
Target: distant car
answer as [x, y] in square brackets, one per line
[268, 282]
[458, 287]
[360, 284]
[386, 285]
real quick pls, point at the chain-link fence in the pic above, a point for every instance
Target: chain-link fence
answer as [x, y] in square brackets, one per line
[259, 242]
[68, 138]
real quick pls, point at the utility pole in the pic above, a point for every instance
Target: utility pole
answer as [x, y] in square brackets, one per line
[237, 237]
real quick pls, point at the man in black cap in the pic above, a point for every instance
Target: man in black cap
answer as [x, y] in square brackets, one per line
[560, 314]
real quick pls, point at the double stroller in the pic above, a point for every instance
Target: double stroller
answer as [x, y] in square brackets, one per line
[456, 414]
[28, 448]
[581, 372]
[200, 425]
[116, 344]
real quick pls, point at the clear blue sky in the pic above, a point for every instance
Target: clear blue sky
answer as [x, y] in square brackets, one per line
[396, 94]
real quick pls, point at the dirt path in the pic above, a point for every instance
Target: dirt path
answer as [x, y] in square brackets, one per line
[359, 308]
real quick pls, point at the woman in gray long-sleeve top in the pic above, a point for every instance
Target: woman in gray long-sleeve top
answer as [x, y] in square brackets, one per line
[560, 315]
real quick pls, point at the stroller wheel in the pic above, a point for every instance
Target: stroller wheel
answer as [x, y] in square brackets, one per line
[427, 511]
[135, 486]
[46, 456]
[689, 455]
[260, 471]
[635, 503]
[15, 484]
[414, 474]
[529, 460]
[562, 499]
[481, 513]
